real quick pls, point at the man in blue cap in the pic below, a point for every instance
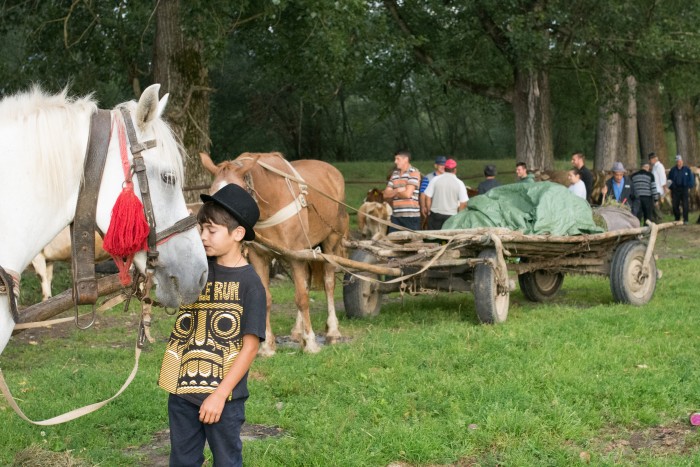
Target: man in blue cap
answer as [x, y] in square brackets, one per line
[439, 170]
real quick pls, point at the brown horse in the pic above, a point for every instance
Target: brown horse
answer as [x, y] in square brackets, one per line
[293, 216]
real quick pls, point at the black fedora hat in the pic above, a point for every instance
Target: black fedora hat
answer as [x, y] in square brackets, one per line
[240, 204]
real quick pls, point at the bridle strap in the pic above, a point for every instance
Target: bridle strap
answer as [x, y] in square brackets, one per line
[83, 226]
[180, 226]
[139, 167]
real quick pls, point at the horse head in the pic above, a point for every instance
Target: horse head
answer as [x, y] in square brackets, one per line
[229, 171]
[181, 268]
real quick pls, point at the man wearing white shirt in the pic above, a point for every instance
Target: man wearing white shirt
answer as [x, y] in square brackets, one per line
[659, 172]
[445, 196]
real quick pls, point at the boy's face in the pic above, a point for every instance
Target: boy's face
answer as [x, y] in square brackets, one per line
[218, 241]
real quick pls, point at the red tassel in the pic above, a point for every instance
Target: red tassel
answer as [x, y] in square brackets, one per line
[127, 233]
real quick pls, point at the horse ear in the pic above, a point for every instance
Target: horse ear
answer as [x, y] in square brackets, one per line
[208, 163]
[149, 107]
[162, 104]
[247, 161]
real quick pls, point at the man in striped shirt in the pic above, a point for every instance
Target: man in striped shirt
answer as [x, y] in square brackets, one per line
[646, 193]
[402, 190]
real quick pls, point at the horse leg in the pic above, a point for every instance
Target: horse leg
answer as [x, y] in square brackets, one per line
[301, 297]
[49, 278]
[262, 267]
[332, 331]
[40, 267]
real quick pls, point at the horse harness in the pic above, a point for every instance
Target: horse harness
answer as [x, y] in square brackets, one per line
[84, 224]
[83, 254]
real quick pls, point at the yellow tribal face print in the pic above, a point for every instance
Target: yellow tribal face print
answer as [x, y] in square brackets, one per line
[204, 342]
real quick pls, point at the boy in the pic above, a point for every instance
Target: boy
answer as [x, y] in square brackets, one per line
[215, 339]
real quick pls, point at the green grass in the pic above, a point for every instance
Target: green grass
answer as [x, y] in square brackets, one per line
[423, 383]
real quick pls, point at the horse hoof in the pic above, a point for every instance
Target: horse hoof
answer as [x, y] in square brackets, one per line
[312, 348]
[332, 339]
[266, 352]
[296, 337]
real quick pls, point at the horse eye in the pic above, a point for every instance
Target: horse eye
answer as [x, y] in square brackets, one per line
[168, 178]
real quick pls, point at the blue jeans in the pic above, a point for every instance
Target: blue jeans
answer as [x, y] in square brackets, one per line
[188, 434]
[412, 223]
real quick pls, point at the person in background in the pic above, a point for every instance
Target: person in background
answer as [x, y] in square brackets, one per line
[521, 173]
[659, 172]
[682, 179]
[490, 182]
[402, 189]
[646, 194]
[445, 196]
[619, 188]
[439, 170]
[577, 186]
[578, 161]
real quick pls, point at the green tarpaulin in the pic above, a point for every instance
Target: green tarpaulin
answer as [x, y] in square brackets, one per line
[532, 208]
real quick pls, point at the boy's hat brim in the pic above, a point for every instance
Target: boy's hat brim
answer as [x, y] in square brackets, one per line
[238, 202]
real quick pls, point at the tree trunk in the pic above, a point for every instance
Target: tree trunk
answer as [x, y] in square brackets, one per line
[616, 134]
[630, 158]
[650, 122]
[608, 137]
[178, 65]
[686, 131]
[533, 120]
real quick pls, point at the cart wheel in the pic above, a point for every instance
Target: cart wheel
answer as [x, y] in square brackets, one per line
[361, 298]
[491, 307]
[626, 281]
[540, 286]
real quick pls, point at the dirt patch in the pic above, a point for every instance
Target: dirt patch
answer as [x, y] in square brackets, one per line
[64, 330]
[286, 342]
[680, 242]
[676, 438]
[157, 452]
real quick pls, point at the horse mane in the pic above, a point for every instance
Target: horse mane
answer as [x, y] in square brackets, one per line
[49, 126]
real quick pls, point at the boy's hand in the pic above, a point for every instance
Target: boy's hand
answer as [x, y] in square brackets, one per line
[210, 411]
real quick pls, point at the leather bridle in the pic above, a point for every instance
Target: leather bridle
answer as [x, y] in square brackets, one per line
[84, 226]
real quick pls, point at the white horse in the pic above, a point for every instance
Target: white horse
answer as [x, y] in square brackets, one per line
[43, 141]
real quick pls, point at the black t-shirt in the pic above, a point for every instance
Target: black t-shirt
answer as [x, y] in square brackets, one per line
[208, 334]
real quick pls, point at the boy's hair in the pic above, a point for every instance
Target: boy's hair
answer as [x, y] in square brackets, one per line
[575, 171]
[521, 164]
[214, 214]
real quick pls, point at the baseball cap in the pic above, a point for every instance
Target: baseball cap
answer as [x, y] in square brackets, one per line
[440, 160]
[450, 164]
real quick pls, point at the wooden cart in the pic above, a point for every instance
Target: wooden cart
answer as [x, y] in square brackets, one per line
[479, 260]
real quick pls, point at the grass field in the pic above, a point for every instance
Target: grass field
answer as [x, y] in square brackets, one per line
[579, 380]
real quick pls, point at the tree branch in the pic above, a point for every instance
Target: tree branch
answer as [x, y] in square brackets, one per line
[424, 57]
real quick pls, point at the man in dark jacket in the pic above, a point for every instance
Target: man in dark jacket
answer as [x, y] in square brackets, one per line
[645, 189]
[619, 188]
[490, 182]
[682, 179]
